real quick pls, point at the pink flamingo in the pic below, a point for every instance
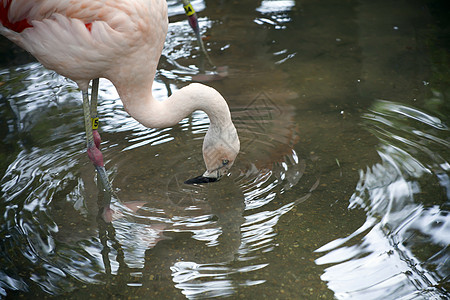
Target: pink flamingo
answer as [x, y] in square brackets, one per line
[120, 40]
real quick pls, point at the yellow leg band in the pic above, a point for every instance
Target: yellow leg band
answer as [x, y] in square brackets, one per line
[189, 10]
[94, 123]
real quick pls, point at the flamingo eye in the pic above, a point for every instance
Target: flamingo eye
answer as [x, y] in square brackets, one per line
[225, 162]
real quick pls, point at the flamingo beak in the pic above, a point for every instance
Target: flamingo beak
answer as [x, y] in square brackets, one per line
[211, 176]
[201, 179]
[208, 176]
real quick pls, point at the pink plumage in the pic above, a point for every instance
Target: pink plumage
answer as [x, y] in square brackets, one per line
[86, 39]
[10, 23]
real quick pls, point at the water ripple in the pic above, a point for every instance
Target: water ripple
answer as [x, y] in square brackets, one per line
[402, 248]
[52, 238]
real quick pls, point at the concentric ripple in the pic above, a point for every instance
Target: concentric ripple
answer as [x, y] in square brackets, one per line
[402, 249]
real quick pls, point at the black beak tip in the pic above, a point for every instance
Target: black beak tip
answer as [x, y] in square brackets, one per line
[200, 180]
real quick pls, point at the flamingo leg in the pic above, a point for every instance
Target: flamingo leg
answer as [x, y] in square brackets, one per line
[93, 151]
[94, 115]
[95, 155]
[94, 97]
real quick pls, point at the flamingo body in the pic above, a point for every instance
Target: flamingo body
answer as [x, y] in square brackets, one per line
[85, 39]
[120, 40]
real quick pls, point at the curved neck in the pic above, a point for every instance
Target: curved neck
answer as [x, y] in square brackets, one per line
[148, 111]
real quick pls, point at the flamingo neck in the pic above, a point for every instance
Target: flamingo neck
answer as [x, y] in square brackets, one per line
[152, 113]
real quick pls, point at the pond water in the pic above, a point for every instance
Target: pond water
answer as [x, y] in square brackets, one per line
[341, 189]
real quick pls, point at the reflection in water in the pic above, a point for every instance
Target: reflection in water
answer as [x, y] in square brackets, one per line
[52, 237]
[402, 250]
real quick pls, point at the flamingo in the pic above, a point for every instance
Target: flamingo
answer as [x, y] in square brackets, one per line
[120, 40]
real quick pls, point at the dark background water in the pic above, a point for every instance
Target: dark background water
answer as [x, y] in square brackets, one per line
[341, 189]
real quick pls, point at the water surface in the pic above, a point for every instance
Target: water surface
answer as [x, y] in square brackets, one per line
[341, 189]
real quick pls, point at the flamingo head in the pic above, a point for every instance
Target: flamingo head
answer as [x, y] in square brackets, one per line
[220, 148]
